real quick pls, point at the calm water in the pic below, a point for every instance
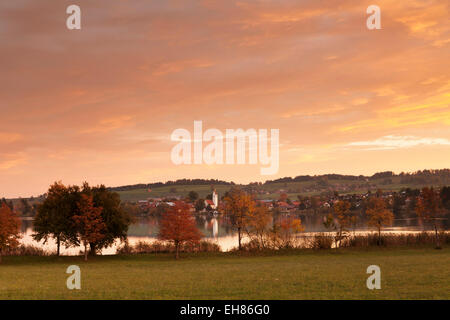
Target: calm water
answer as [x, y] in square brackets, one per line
[214, 229]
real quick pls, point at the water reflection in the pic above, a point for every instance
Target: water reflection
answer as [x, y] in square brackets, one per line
[215, 229]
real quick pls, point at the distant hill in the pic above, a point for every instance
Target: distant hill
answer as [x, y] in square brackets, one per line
[190, 182]
[293, 186]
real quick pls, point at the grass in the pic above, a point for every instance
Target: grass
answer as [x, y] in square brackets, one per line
[159, 192]
[406, 273]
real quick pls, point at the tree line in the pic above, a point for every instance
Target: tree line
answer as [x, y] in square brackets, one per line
[94, 218]
[267, 228]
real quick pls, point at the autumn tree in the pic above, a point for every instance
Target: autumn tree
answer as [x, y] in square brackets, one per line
[285, 230]
[89, 222]
[258, 225]
[8, 203]
[344, 220]
[9, 229]
[429, 207]
[116, 219]
[54, 216]
[178, 226]
[378, 215]
[238, 205]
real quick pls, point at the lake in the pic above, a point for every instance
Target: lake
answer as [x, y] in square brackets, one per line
[214, 229]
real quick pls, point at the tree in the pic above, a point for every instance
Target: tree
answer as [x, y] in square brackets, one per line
[283, 232]
[8, 203]
[116, 219]
[160, 209]
[178, 226]
[315, 204]
[258, 224]
[283, 197]
[379, 216]
[9, 229]
[89, 223]
[344, 218]
[25, 207]
[199, 205]
[193, 196]
[54, 216]
[238, 205]
[445, 196]
[429, 207]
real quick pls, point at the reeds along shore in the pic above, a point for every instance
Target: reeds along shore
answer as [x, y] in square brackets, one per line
[331, 241]
[321, 241]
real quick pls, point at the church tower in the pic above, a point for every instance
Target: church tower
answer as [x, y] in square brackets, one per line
[215, 199]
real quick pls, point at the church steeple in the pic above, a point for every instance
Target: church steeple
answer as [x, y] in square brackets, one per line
[215, 199]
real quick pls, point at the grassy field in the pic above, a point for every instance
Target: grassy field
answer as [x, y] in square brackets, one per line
[159, 192]
[418, 273]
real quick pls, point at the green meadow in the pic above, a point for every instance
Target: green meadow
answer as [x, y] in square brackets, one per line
[406, 273]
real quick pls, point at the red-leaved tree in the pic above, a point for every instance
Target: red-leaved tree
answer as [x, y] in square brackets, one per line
[429, 207]
[9, 229]
[89, 222]
[177, 225]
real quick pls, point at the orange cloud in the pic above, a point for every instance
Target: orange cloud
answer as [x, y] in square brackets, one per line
[99, 104]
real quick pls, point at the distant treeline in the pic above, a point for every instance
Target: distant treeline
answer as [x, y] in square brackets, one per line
[432, 177]
[172, 183]
[441, 176]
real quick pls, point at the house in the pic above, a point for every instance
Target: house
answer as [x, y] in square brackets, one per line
[267, 203]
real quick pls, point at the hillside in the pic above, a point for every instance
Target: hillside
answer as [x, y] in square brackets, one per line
[304, 185]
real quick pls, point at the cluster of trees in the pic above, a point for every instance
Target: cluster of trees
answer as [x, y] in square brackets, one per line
[441, 176]
[431, 205]
[342, 218]
[430, 177]
[258, 223]
[266, 229]
[179, 182]
[73, 215]
[25, 208]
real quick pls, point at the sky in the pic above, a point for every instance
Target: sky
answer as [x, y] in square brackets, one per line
[99, 104]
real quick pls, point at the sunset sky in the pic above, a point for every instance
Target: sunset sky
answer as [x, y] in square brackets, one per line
[100, 103]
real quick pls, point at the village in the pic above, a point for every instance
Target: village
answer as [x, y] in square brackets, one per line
[401, 202]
